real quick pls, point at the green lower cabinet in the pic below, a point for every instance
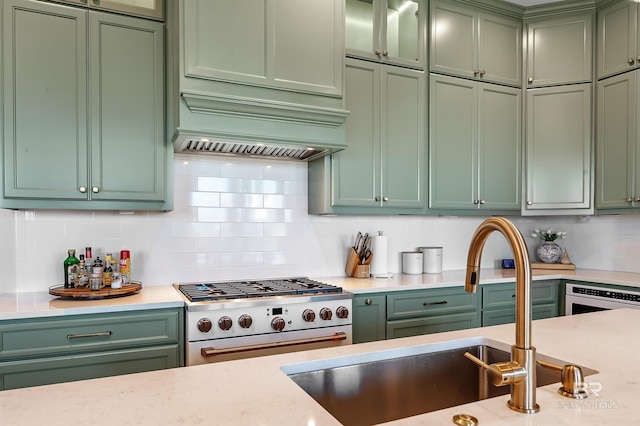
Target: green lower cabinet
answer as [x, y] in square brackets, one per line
[435, 324]
[36, 372]
[40, 351]
[369, 317]
[508, 315]
[498, 302]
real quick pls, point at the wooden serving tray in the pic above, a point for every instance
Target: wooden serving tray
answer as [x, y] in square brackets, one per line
[86, 293]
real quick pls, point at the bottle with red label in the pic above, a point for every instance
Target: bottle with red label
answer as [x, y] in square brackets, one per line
[125, 265]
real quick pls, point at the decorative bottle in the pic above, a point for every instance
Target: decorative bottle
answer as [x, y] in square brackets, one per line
[82, 276]
[70, 268]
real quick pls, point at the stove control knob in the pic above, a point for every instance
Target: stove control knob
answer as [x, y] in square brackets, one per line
[342, 312]
[225, 323]
[204, 325]
[277, 324]
[245, 321]
[326, 314]
[308, 315]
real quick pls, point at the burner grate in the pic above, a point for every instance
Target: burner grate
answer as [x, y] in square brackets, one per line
[208, 291]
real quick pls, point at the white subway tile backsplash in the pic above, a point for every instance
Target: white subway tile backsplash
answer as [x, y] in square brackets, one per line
[237, 218]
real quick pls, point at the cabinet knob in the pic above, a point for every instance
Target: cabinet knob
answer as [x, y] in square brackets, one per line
[530, 80]
[377, 52]
[481, 201]
[385, 198]
[631, 61]
[83, 189]
[628, 199]
[529, 203]
[638, 59]
[368, 302]
[482, 73]
[95, 189]
[377, 198]
[637, 199]
[476, 201]
[385, 53]
[476, 72]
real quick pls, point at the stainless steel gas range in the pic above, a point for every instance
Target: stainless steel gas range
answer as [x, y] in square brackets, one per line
[242, 319]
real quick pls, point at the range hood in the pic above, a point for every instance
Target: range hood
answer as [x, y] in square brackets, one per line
[211, 123]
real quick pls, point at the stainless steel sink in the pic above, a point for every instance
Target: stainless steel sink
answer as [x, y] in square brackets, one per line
[382, 386]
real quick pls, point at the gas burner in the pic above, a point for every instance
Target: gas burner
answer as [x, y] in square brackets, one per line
[209, 291]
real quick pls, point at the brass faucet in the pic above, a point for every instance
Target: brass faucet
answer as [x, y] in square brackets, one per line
[520, 372]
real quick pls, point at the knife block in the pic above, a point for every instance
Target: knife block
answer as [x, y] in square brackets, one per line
[354, 268]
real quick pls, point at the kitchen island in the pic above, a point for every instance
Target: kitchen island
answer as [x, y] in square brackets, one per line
[256, 391]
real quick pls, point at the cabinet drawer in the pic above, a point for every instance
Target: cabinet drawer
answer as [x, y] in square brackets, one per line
[434, 324]
[508, 315]
[36, 372]
[504, 295]
[20, 339]
[412, 304]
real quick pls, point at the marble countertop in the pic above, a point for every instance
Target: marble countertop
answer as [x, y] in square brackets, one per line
[217, 394]
[487, 276]
[42, 304]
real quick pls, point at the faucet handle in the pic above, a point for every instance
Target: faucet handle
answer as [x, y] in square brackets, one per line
[571, 377]
[500, 373]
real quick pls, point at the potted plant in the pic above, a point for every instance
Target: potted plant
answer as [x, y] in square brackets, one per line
[549, 251]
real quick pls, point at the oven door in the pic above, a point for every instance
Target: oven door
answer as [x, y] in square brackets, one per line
[209, 351]
[580, 304]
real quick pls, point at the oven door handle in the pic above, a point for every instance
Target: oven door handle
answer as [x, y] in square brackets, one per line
[209, 352]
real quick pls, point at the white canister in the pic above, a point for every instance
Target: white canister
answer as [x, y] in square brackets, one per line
[431, 260]
[411, 262]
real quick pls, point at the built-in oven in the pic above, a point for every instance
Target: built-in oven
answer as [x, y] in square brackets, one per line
[580, 298]
[242, 319]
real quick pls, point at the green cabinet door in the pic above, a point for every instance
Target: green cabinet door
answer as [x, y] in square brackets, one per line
[475, 155]
[148, 8]
[560, 50]
[617, 39]
[385, 163]
[286, 44]
[435, 324]
[45, 101]
[616, 156]
[39, 371]
[369, 317]
[83, 110]
[127, 108]
[474, 44]
[559, 155]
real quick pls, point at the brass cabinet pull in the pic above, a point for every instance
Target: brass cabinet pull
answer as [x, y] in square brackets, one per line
[368, 301]
[82, 189]
[631, 61]
[385, 198]
[637, 199]
[530, 80]
[377, 52]
[628, 199]
[209, 352]
[442, 302]
[95, 189]
[377, 198]
[385, 53]
[84, 336]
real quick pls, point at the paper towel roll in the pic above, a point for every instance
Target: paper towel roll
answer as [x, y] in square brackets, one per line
[380, 262]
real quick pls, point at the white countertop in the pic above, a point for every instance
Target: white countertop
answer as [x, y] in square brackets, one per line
[487, 276]
[218, 394]
[42, 304]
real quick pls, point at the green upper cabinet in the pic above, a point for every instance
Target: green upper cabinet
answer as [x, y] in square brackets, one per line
[474, 44]
[474, 145]
[618, 145]
[559, 158]
[389, 31]
[146, 8]
[83, 109]
[288, 44]
[384, 165]
[560, 50]
[618, 41]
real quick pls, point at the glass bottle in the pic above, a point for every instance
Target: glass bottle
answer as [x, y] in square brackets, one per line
[107, 273]
[70, 267]
[82, 276]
